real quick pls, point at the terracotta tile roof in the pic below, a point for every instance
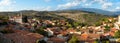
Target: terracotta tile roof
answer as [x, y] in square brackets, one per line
[64, 32]
[84, 36]
[94, 35]
[81, 39]
[56, 40]
[114, 29]
[23, 36]
[48, 21]
[112, 33]
[106, 34]
[16, 17]
[71, 30]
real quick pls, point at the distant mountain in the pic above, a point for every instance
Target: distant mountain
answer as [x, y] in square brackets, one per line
[98, 11]
[117, 12]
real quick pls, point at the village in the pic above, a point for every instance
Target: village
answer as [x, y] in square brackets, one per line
[33, 30]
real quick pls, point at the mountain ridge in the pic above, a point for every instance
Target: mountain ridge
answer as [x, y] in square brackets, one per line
[98, 11]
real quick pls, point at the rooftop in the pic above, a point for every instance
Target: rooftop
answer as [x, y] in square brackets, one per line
[23, 36]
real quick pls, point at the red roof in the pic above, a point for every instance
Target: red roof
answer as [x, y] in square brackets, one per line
[71, 30]
[113, 29]
[64, 32]
[112, 33]
[23, 36]
[84, 36]
[56, 40]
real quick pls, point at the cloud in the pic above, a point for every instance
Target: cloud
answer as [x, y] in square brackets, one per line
[39, 8]
[100, 1]
[85, 3]
[6, 2]
[70, 3]
[7, 5]
[117, 8]
[106, 5]
[46, 8]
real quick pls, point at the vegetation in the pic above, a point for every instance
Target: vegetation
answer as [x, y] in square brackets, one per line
[68, 25]
[107, 28]
[75, 24]
[88, 18]
[117, 34]
[74, 39]
[41, 31]
[4, 20]
[40, 41]
[98, 23]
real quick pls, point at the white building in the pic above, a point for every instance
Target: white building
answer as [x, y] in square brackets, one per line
[119, 19]
[116, 25]
[50, 32]
[17, 18]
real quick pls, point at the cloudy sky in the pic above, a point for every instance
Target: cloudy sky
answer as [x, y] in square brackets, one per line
[50, 5]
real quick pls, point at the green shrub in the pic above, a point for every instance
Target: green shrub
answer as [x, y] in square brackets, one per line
[117, 34]
[74, 39]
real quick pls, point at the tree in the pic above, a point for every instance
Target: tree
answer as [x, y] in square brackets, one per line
[40, 41]
[75, 24]
[25, 19]
[97, 23]
[49, 25]
[107, 28]
[69, 25]
[41, 31]
[105, 19]
[117, 34]
[4, 19]
[83, 24]
[74, 39]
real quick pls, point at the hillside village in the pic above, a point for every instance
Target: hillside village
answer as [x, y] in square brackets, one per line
[15, 29]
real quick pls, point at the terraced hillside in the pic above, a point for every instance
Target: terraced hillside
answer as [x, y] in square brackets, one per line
[71, 16]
